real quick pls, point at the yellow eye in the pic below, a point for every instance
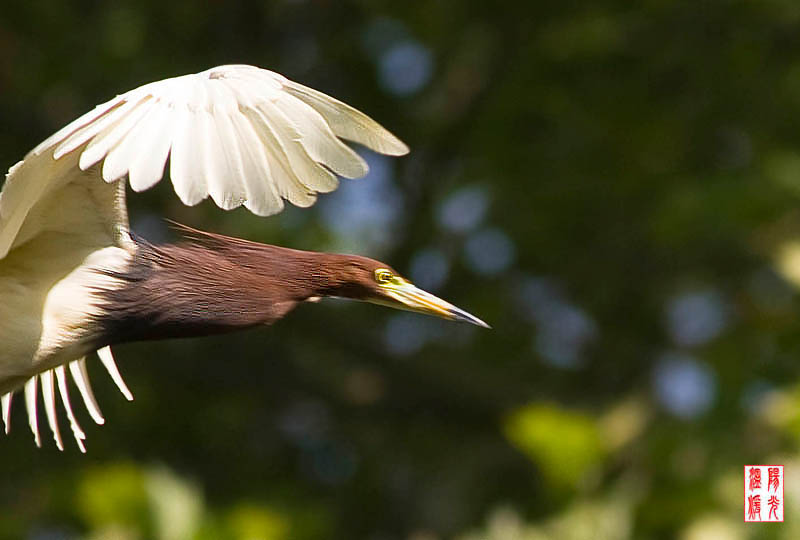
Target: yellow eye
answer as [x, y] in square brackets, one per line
[383, 276]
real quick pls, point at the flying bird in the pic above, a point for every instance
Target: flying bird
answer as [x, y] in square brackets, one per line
[74, 280]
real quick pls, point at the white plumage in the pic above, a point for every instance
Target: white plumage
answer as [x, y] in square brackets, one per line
[238, 134]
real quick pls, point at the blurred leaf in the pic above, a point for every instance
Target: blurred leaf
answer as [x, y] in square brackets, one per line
[565, 445]
[251, 521]
[176, 504]
[783, 168]
[114, 496]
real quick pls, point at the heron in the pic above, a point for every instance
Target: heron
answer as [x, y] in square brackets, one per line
[74, 279]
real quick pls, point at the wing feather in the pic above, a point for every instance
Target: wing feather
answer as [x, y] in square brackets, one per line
[86, 133]
[283, 177]
[108, 362]
[106, 139]
[49, 397]
[147, 166]
[186, 165]
[89, 119]
[30, 404]
[304, 169]
[81, 377]
[5, 400]
[347, 122]
[114, 144]
[228, 189]
[77, 432]
[319, 140]
[262, 197]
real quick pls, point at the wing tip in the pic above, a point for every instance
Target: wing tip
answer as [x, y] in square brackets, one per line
[396, 147]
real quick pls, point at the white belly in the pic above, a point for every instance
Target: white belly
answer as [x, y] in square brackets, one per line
[47, 305]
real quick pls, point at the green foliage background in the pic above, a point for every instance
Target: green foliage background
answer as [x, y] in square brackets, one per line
[632, 156]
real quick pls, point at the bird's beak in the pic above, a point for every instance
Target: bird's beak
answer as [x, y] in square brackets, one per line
[401, 294]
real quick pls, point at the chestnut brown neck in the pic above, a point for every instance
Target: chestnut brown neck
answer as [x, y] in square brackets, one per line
[213, 285]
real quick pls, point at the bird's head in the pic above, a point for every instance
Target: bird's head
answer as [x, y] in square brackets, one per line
[378, 283]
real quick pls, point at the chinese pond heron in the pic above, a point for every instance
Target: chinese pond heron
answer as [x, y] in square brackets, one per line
[74, 280]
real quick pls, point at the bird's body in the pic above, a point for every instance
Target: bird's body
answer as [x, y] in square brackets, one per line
[73, 280]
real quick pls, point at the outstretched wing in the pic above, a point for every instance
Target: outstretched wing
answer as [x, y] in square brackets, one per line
[239, 134]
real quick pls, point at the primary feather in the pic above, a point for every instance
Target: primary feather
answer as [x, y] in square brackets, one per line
[238, 134]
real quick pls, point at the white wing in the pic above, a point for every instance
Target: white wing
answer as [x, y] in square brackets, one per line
[239, 134]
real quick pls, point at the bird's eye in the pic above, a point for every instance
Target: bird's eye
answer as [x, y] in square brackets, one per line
[383, 276]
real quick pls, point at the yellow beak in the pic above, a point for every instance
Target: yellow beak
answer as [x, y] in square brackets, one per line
[401, 294]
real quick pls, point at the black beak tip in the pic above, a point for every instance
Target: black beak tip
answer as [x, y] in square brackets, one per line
[461, 315]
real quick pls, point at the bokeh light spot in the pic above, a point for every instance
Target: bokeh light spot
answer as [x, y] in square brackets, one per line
[405, 68]
[429, 269]
[563, 330]
[380, 34]
[683, 386]
[363, 213]
[489, 252]
[406, 334]
[464, 210]
[561, 339]
[697, 317]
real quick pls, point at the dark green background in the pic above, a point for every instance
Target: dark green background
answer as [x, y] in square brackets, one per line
[640, 163]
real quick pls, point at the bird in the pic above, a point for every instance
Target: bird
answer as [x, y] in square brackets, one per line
[75, 280]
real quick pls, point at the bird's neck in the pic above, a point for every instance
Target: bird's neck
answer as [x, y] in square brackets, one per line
[171, 291]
